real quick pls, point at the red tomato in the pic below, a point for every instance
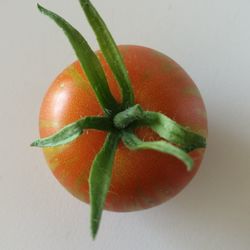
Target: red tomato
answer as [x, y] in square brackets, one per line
[140, 179]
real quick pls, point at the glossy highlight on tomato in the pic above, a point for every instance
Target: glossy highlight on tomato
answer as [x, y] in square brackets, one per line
[140, 179]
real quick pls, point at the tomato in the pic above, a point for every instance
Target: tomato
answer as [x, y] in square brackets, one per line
[140, 179]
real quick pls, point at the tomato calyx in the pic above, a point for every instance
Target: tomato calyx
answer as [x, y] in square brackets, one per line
[119, 119]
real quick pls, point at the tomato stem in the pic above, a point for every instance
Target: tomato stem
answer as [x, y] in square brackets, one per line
[128, 116]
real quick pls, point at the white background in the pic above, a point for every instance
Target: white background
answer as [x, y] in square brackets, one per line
[211, 40]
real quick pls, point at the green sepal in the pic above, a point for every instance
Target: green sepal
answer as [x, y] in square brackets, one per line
[134, 143]
[100, 178]
[72, 131]
[173, 132]
[89, 62]
[110, 52]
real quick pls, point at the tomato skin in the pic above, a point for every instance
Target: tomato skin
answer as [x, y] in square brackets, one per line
[140, 179]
